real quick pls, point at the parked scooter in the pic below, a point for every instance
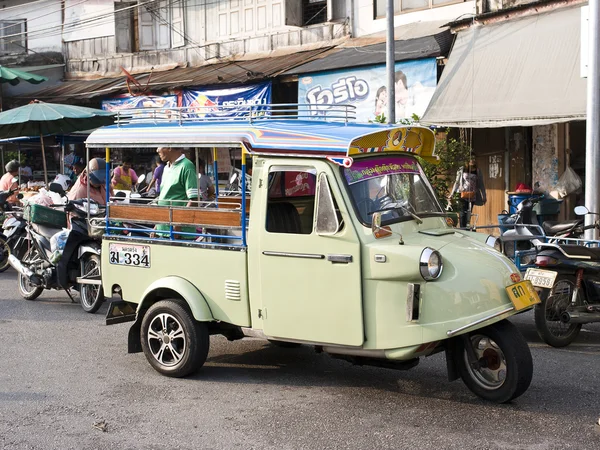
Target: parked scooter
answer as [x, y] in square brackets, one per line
[569, 278]
[523, 231]
[13, 228]
[77, 267]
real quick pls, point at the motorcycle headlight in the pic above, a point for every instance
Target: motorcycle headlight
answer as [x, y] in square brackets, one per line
[494, 242]
[430, 264]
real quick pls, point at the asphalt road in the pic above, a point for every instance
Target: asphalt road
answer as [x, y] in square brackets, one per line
[62, 371]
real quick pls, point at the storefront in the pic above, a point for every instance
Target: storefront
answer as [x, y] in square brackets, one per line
[513, 82]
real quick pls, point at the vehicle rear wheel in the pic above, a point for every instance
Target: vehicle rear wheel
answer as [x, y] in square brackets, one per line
[504, 367]
[27, 290]
[547, 314]
[92, 295]
[174, 343]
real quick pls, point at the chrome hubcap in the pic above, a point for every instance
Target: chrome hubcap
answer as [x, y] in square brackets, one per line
[166, 339]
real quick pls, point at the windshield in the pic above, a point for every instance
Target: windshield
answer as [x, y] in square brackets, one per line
[394, 185]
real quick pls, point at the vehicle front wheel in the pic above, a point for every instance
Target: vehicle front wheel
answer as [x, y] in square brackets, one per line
[503, 367]
[174, 343]
[4, 254]
[547, 314]
[92, 295]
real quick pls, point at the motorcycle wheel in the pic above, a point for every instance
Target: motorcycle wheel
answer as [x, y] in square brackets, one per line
[547, 314]
[92, 295]
[505, 367]
[4, 254]
[174, 343]
[27, 290]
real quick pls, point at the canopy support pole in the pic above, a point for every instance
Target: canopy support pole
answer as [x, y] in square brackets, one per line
[62, 154]
[592, 150]
[44, 160]
[390, 62]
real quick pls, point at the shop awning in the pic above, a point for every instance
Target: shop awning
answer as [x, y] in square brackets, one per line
[414, 41]
[520, 72]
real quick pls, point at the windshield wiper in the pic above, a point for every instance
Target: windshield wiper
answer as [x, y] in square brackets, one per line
[391, 208]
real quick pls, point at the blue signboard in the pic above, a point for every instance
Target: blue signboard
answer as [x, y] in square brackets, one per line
[228, 102]
[365, 88]
[142, 101]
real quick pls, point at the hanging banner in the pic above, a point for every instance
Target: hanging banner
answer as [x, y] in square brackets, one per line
[228, 102]
[415, 83]
[142, 101]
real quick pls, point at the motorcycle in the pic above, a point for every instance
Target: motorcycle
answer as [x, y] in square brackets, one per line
[13, 228]
[521, 231]
[77, 266]
[568, 277]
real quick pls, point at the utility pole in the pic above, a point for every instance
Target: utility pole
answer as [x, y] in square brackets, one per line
[592, 150]
[390, 62]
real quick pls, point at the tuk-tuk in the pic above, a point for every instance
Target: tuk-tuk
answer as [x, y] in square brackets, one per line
[338, 242]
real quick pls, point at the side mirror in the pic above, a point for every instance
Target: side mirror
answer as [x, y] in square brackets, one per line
[376, 228]
[581, 210]
[55, 187]
[233, 178]
[376, 222]
[141, 178]
[14, 179]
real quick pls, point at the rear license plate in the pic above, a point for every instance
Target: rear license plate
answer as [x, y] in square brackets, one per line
[541, 278]
[129, 255]
[522, 295]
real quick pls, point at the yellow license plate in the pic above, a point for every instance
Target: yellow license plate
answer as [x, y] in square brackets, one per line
[522, 295]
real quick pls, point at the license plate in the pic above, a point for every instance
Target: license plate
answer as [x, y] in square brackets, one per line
[541, 278]
[129, 255]
[522, 295]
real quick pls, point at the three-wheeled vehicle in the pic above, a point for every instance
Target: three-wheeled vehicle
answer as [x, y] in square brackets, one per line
[341, 244]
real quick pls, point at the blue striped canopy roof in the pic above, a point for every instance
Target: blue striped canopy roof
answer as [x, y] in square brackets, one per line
[293, 137]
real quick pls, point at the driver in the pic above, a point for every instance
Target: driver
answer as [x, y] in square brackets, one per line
[95, 175]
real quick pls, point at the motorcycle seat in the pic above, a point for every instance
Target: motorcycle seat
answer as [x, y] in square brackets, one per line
[44, 230]
[580, 250]
[552, 228]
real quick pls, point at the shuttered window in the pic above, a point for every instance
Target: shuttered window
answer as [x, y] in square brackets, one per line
[161, 25]
[13, 38]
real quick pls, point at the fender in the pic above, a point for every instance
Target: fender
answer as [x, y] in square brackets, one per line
[190, 294]
[88, 249]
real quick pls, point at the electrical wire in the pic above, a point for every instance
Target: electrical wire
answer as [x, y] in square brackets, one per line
[29, 19]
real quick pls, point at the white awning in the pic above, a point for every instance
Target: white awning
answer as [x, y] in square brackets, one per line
[520, 72]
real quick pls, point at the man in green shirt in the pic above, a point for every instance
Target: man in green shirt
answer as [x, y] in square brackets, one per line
[179, 186]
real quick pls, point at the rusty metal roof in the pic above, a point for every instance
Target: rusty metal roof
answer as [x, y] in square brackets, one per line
[225, 73]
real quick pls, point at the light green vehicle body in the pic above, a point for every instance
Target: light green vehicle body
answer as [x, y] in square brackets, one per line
[355, 308]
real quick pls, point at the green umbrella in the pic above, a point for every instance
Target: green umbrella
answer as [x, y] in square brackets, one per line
[39, 119]
[15, 76]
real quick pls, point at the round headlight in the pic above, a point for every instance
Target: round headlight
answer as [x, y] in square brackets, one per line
[493, 241]
[430, 264]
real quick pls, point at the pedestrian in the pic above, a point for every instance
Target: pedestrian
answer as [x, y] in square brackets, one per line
[469, 184]
[7, 182]
[124, 177]
[157, 175]
[95, 175]
[205, 184]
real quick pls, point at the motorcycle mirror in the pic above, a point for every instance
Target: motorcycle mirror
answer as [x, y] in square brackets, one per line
[141, 178]
[55, 187]
[14, 179]
[19, 195]
[233, 178]
[581, 210]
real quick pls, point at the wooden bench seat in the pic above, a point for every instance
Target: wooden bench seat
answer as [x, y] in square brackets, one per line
[179, 216]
